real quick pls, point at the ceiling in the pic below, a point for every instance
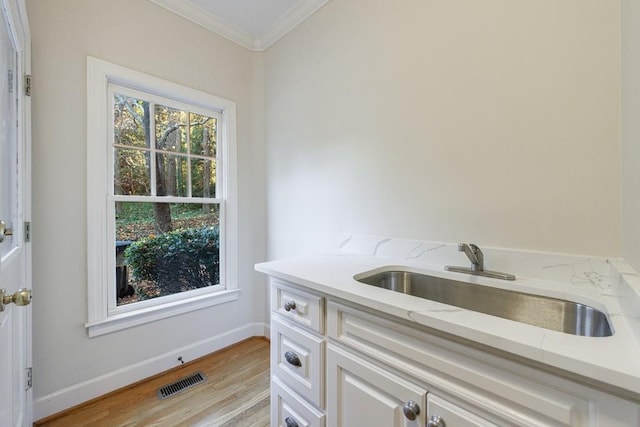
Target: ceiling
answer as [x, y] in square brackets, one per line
[254, 24]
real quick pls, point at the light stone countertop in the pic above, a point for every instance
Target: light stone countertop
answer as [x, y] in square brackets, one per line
[609, 285]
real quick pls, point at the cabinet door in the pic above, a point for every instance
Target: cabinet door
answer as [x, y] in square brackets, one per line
[441, 412]
[361, 393]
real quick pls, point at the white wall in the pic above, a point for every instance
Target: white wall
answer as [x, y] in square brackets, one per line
[496, 122]
[631, 130]
[142, 36]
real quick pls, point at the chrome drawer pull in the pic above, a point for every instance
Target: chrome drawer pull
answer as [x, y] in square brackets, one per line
[411, 410]
[290, 305]
[290, 422]
[436, 421]
[292, 358]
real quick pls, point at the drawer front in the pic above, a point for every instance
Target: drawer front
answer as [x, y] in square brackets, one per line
[489, 383]
[297, 358]
[289, 410]
[301, 307]
[441, 412]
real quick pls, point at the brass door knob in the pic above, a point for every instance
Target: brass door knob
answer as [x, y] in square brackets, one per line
[5, 231]
[21, 297]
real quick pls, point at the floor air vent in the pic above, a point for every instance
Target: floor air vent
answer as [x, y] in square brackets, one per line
[181, 385]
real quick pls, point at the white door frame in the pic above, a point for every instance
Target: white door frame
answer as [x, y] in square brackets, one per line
[14, 12]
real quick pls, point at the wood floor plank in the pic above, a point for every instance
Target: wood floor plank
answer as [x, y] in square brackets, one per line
[255, 414]
[236, 393]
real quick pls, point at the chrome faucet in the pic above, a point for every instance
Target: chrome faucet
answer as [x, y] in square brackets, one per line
[476, 257]
[474, 254]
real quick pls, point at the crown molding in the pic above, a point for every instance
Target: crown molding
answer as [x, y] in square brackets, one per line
[295, 16]
[209, 21]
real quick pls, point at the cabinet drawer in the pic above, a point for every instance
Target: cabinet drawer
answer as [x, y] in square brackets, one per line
[297, 358]
[289, 410]
[302, 307]
[451, 415]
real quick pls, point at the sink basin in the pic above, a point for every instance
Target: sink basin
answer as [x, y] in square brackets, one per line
[545, 312]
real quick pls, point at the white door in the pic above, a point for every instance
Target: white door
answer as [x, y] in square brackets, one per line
[15, 315]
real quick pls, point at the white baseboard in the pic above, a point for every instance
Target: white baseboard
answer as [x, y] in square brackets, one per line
[76, 394]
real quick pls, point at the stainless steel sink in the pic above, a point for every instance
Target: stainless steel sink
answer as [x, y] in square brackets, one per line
[550, 313]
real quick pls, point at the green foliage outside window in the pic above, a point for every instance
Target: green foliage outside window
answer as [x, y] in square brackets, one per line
[177, 261]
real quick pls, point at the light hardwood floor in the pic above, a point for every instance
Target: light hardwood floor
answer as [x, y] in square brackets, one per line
[236, 393]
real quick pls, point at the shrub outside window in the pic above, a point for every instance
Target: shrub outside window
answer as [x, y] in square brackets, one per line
[161, 198]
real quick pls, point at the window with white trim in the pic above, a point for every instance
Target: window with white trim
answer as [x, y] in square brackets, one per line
[161, 198]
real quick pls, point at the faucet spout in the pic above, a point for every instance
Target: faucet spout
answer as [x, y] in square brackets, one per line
[474, 254]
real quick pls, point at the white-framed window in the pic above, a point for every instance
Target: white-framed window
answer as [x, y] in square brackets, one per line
[161, 198]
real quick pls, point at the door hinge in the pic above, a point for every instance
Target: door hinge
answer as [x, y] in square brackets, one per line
[27, 84]
[27, 231]
[10, 81]
[29, 378]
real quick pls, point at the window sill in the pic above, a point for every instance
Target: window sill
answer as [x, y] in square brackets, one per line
[121, 321]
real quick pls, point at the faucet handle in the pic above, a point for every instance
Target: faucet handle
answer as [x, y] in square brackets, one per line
[477, 251]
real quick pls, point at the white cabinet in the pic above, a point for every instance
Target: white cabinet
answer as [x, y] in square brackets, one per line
[297, 357]
[336, 364]
[364, 394]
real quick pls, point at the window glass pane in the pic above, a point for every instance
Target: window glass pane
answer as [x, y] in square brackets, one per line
[203, 181]
[170, 126]
[172, 176]
[203, 133]
[131, 174]
[152, 263]
[129, 120]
